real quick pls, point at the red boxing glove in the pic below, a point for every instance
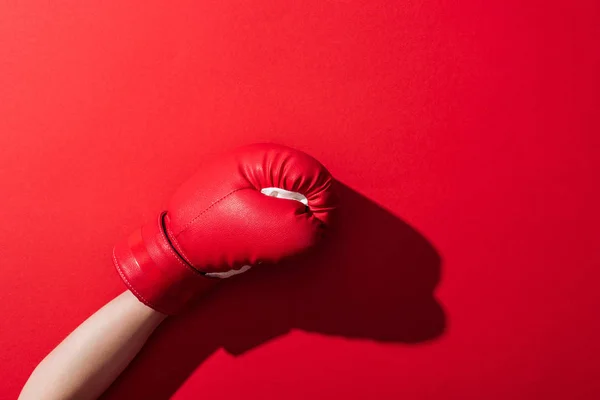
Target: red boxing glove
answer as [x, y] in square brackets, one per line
[260, 203]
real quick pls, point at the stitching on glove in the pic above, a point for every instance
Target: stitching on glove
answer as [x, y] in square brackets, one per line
[205, 210]
[175, 255]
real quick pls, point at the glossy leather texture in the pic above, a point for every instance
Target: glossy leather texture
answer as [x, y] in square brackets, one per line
[219, 220]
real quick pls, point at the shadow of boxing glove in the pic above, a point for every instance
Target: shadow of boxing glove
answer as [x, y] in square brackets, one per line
[258, 204]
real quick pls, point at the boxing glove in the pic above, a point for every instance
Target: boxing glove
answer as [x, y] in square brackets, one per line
[258, 204]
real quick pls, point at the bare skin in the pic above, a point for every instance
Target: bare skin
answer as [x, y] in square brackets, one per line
[87, 361]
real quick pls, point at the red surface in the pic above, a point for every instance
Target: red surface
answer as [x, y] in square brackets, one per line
[470, 132]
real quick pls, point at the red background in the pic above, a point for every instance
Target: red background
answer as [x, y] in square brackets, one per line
[466, 134]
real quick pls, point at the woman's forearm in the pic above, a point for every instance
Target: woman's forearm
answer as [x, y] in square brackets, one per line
[87, 361]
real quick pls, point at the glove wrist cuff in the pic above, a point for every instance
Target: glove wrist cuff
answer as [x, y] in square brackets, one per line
[154, 272]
